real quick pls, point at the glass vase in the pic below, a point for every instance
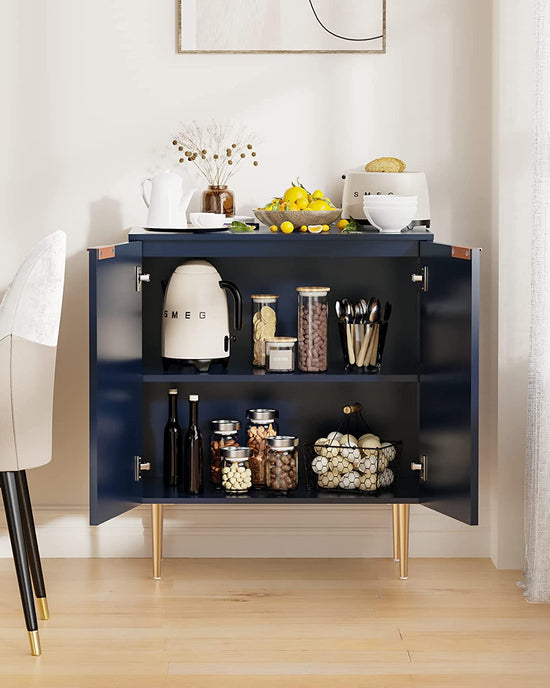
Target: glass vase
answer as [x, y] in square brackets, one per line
[218, 199]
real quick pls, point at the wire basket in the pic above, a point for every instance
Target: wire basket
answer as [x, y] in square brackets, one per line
[338, 464]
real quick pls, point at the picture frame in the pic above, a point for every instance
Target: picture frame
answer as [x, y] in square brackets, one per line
[281, 26]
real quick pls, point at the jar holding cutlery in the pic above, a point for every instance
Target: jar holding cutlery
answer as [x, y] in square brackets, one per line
[363, 328]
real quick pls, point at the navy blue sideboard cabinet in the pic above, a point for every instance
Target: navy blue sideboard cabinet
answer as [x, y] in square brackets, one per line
[425, 395]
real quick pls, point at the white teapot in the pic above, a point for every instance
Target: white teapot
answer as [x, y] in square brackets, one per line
[168, 201]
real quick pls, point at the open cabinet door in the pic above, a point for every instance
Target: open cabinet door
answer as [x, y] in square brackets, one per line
[449, 380]
[115, 379]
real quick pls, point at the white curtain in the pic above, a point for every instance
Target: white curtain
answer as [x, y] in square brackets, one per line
[537, 569]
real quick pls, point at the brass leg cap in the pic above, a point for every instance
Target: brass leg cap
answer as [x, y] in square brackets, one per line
[43, 608]
[34, 639]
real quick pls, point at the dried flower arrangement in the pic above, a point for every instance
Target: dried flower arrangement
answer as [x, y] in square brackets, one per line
[216, 150]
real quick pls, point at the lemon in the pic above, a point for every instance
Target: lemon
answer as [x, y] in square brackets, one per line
[315, 229]
[292, 206]
[326, 228]
[292, 194]
[287, 227]
[318, 194]
[342, 224]
[301, 203]
[303, 228]
[274, 228]
[319, 205]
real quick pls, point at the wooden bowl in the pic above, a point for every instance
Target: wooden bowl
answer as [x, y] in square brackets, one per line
[298, 217]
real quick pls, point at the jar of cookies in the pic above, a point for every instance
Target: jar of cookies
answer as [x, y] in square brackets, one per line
[236, 474]
[312, 328]
[223, 433]
[282, 463]
[264, 324]
[262, 423]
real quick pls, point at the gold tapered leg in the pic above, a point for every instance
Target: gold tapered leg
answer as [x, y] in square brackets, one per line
[157, 517]
[43, 608]
[395, 529]
[404, 512]
[34, 640]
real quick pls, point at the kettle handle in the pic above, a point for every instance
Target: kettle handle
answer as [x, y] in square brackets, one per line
[143, 190]
[238, 311]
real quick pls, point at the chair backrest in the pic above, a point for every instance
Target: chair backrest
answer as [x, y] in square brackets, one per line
[29, 326]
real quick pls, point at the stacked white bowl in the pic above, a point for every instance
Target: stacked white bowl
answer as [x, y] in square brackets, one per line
[389, 212]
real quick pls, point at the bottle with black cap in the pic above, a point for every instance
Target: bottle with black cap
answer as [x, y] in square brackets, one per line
[193, 450]
[172, 454]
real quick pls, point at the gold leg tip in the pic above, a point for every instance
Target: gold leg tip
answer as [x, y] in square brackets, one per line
[403, 578]
[396, 559]
[43, 608]
[157, 578]
[34, 640]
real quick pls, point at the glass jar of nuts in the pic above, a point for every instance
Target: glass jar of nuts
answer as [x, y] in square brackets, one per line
[262, 423]
[282, 463]
[236, 474]
[223, 433]
[312, 328]
[264, 324]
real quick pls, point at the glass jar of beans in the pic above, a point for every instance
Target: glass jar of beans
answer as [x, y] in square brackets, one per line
[312, 328]
[236, 474]
[223, 433]
[282, 463]
[262, 423]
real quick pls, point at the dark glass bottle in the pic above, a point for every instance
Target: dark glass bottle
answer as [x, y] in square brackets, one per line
[173, 455]
[193, 449]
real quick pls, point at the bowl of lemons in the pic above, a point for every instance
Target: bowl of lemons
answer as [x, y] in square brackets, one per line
[300, 207]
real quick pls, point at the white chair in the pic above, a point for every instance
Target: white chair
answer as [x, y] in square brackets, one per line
[29, 327]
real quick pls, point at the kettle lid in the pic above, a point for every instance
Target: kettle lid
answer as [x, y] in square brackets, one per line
[196, 267]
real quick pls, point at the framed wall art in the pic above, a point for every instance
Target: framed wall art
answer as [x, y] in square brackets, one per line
[281, 26]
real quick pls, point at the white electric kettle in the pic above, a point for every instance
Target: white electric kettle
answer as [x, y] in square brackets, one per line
[168, 202]
[195, 322]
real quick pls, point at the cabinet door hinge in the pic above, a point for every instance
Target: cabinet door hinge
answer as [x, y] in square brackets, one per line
[139, 466]
[421, 278]
[421, 467]
[141, 278]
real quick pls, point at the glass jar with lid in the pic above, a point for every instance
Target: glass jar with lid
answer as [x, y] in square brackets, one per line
[262, 423]
[282, 463]
[312, 328]
[236, 474]
[223, 433]
[264, 324]
[280, 354]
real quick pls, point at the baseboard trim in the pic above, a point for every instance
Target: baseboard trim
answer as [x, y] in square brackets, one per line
[215, 531]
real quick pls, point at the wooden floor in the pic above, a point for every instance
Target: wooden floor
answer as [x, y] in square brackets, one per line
[266, 623]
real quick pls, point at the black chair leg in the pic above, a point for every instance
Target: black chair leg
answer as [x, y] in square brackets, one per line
[31, 544]
[15, 528]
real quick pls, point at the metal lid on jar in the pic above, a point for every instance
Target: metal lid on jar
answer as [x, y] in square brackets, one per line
[262, 415]
[282, 442]
[235, 453]
[317, 291]
[225, 425]
[264, 297]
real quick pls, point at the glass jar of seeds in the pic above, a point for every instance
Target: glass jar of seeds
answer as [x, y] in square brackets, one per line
[282, 463]
[262, 423]
[312, 328]
[236, 474]
[223, 433]
[264, 324]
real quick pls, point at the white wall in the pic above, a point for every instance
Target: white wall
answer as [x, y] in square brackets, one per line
[93, 92]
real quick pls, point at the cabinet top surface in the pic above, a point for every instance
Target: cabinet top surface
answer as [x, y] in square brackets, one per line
[264, 235]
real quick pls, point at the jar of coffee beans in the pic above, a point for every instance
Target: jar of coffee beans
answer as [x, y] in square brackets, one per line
[282, 463]
[236, 474]
[223, 433]
[262, 423]
[312, 328]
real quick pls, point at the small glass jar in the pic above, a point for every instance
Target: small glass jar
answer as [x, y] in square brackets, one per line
[218, 199]
[312, 328]
[264, 324]
[280, 354]
[262, 423]
[223, 433]
[236, 473]
[282, 463]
